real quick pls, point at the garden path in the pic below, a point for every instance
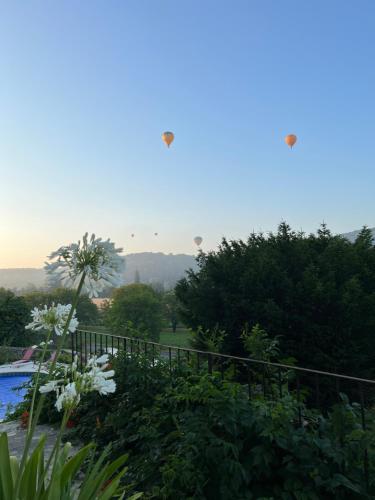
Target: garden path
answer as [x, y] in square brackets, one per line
[16, 437]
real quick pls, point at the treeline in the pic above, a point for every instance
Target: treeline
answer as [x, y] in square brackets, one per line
[15, 312]
[136, 310]
[315, 292]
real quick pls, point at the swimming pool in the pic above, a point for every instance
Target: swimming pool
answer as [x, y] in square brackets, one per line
[7, 395]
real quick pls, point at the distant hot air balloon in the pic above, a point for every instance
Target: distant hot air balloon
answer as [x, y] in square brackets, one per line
[156, 234]
[291, 139]
[132, 235]
[198, 240]
[167, 137]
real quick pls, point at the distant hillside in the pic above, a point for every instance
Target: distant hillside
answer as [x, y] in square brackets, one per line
[151, 267]
[353, 234]
[20, 278]
[158, 267]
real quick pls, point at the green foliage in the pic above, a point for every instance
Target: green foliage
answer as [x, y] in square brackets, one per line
[258, 344]
[136, 308]
[14, 316]
[101, 480]
[196, 436]
[87, 312]
[6, 354]
[316, 292]
[208, 340]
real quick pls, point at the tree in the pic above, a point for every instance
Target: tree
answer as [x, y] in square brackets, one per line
[87, 312]
[14, 316]
[136, 308]
[316, 292]
[170, 304]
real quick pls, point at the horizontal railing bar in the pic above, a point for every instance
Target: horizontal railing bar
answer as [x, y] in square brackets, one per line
[237, 358]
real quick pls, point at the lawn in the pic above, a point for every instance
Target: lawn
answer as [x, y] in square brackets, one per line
[179, 339]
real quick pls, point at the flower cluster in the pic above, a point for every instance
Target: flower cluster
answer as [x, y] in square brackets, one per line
[98, 259]
[95, 377]
[53, 319]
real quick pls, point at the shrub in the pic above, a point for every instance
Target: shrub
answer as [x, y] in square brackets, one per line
[196, 436]
[14, 315]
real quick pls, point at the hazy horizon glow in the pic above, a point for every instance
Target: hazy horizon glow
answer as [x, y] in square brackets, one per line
[88, 88]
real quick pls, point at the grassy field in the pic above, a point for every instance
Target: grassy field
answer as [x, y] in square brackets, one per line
[179, 339]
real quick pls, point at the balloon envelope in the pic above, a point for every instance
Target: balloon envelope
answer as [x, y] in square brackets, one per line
[198, 240]
[168, 138]
[291, 139]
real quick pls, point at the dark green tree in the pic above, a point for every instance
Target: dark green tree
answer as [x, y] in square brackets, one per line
[14, 316]
[316, 292]
[137, 309]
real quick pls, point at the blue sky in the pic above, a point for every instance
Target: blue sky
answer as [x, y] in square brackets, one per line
[87, 88]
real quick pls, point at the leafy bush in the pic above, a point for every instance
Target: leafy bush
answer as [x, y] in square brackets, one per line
[7, 355]
[14, 315]
[208, 340]
[196, 436]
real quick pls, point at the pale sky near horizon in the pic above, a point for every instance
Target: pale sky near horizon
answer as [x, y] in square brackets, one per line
[87, 88]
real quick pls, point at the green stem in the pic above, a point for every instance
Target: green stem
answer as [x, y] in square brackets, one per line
[37, 383]
[43, 396]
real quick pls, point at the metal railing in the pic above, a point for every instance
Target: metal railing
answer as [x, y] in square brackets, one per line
[313, 389]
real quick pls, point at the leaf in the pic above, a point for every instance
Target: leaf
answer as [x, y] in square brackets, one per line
[6, 482]
[31, 475]
[73, 465]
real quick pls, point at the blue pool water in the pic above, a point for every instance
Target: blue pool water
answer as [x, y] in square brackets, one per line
[7, 394]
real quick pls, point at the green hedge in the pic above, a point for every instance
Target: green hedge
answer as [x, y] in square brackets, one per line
[195, 436]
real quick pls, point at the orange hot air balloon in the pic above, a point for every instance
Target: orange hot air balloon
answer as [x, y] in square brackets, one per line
[198, 240]
[291, 139]
[168, 138]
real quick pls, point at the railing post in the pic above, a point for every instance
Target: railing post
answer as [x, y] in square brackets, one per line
[210, 364]
[299, 401]
[363, 418]
[72, 345]
[280, 383]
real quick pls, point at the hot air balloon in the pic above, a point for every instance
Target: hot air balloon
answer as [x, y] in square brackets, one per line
[198, 240]
[155, 234]
[291, 139]
[167, 137]
[132, 235]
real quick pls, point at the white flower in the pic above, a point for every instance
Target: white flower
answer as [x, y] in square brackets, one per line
[50, 386]
[52, 319]
[98, 259]
[104, 386]
[68, 397]
[95, 377]
[103, 359]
